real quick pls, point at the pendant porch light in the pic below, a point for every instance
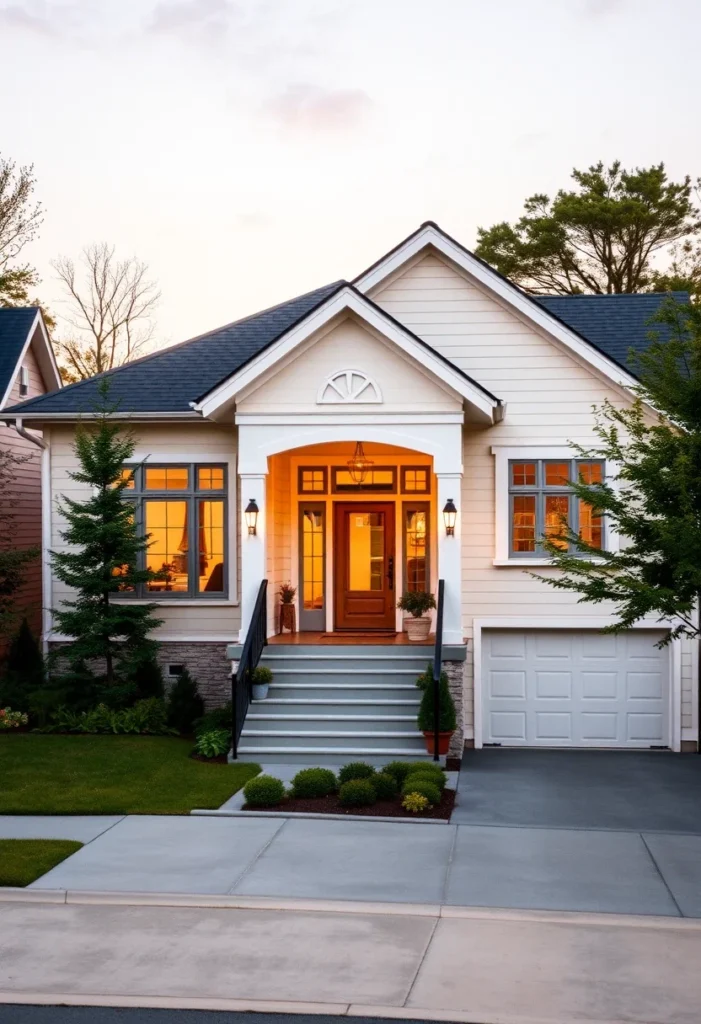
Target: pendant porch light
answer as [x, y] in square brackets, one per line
[359, 465]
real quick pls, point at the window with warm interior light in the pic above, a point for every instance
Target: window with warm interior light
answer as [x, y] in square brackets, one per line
[541, 502]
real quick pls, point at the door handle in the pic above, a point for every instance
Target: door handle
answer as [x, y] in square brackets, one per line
[390, 572]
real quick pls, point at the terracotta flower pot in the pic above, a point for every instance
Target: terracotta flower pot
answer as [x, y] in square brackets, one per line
[418, 629]
[443, 741]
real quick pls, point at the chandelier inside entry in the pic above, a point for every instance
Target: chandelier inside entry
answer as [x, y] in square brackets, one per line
[359, 465]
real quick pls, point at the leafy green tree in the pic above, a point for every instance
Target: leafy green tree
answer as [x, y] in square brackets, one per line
[102, 560]
[654, 500]
[599, 237]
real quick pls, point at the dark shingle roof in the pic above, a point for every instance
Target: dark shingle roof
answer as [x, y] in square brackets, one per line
[169, 380]
[15, 324]
[615, 324]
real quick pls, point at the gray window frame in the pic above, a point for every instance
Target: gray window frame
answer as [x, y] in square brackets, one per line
[192, 495]
[539, 491]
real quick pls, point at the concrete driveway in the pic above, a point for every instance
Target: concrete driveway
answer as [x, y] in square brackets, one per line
[637, 791]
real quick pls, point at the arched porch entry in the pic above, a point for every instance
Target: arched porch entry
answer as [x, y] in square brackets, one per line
[350, 550]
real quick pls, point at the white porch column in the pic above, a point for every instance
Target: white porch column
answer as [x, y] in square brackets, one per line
[253, 546]
[450, 557]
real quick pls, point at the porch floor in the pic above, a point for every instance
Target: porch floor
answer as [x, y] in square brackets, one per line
[350, 639]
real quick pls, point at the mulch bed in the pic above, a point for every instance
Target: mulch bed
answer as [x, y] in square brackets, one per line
[381, 809]
[219, 759]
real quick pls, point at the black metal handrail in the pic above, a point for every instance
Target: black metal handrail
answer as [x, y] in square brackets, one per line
[437, 668]
[241, 679]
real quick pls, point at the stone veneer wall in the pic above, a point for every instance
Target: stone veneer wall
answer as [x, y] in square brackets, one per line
[455, 670]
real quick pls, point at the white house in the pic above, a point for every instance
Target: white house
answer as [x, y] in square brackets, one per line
[458, 386]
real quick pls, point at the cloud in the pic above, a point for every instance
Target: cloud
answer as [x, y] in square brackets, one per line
[310, 108]
[599, 8]
[35, 19]
[205, 20]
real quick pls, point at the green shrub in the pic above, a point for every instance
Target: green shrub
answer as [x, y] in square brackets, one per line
[357, 793]
[213, 743]
[432, 777]
[385, 786]
[448, 718]
[185, 706]
[146, 717]
[398, 770]
[425, 766]
[424, 787]
[313, 782]
[261, 675]
[147, 677]
[415, 803]
[263, 791]
[24, 671]
[356, 770]
[425, 678]
[214, 720]
[416, 602]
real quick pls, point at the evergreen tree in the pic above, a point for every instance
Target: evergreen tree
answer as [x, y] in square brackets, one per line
[104, 549]
[654, 501]
[24, 670]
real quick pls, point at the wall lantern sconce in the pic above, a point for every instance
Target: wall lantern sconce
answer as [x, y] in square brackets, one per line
[359, 465]
[450, 514]
[251, 515]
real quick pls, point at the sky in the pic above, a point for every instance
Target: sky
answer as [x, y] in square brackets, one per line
[251, 150]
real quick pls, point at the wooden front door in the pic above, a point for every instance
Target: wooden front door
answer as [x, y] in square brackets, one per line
[364, 565]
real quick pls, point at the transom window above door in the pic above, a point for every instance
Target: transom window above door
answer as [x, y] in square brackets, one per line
[541, 500]
[183, 508]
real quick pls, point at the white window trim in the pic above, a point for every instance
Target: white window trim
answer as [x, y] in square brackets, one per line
[502, 525]
[203, 457]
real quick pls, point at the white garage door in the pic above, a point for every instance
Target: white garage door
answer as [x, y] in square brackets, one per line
[566, 688]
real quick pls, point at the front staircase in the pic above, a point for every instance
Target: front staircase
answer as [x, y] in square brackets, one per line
[337, 703]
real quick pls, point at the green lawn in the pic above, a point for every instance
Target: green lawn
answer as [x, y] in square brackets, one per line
[24, 860]
[110, 775]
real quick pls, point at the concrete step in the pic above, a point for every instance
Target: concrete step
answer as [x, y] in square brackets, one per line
[348, 676]
[335, 662]
[311, 723]
[409, 740]
[327, 755]
[323, 690]
[394, 651]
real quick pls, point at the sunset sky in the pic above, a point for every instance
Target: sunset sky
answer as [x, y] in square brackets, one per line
[250, 150]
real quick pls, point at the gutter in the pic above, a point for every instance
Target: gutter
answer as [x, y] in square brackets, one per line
[45, 523]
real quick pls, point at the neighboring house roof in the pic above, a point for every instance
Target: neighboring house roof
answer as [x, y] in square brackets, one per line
[169, 380]
[19, 325]
[614, 323]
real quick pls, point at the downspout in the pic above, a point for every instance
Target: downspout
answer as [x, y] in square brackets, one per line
[45, 525]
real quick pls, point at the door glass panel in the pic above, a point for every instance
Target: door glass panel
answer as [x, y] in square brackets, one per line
[166, 522]
[366, 550]
[556, 512]
[416, 528]
[211, 546]
[313, 559]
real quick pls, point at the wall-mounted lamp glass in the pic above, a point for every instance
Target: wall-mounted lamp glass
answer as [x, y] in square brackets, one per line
[450, 515]
[251, 515]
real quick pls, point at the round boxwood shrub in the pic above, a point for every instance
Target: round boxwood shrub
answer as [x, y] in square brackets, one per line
[357, 793]
[263, 791]
[434, 778]
[313, 782]
[425, 766]
[424, 788]
[384, 785]
[398, 770]
[356, 770]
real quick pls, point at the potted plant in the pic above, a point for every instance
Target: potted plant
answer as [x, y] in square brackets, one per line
[260, 681]
[287, 593]
[417, 602]
[447, 721]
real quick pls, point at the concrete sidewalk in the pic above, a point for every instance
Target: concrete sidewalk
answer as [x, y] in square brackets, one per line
[526, 868]
[426, 962]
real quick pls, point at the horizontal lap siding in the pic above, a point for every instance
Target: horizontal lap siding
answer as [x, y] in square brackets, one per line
[203, 442]
[549, 398]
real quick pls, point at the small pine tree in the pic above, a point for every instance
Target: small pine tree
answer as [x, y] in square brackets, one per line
[147, 678]
[103, 554]
[185, 705]
[447, 719]
[24, 672]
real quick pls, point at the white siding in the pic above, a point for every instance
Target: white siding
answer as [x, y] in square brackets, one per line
[203, 441]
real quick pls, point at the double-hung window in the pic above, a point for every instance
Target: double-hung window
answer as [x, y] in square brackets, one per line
[184, 510]
[541, 500]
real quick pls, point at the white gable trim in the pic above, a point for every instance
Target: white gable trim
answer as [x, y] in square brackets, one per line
[45, 358]
[348, 300]
[431, 235]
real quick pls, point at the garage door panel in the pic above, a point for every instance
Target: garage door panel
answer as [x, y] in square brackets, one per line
[575, 688]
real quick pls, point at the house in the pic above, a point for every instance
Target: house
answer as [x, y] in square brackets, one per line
[27, 369]
[459, 388]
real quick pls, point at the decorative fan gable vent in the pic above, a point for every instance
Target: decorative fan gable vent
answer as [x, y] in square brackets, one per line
[347, 386]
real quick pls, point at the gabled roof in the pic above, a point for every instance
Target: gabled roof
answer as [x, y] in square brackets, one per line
[614, 323]
[17, 326]
[170, 380]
